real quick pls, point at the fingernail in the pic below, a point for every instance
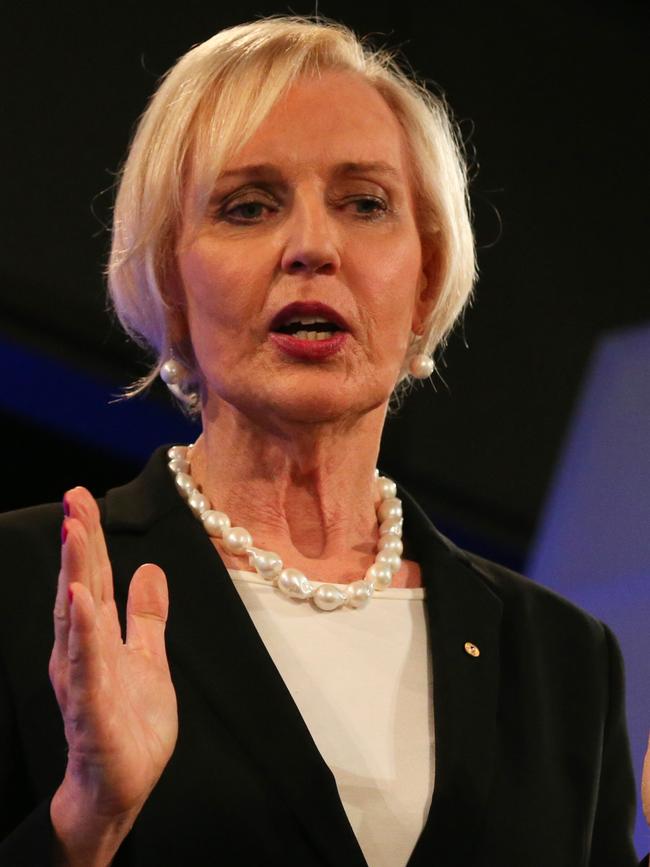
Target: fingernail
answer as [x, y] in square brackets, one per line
[64, 533]
[70, 596]
[66, 506]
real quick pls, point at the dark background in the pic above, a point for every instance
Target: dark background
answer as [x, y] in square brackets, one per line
[552, 101]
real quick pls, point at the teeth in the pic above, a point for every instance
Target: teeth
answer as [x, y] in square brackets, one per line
[305, 320]
[312, 335]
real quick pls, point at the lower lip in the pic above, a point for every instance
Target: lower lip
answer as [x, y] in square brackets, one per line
[309, 350]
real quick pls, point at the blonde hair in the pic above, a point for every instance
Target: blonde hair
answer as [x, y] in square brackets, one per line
[208, 105]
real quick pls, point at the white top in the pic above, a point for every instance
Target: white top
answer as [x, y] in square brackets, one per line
[362, 681]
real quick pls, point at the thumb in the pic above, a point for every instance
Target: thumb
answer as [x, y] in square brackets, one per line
[146, 610]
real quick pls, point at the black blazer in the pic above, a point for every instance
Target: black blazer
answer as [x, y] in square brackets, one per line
[532, 763]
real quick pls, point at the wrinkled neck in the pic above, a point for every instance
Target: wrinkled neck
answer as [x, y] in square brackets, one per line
[308, 490]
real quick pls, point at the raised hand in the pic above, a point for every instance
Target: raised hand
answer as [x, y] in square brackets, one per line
[116, 698]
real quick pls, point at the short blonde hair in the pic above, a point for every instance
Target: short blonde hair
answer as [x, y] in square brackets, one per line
[209, 104]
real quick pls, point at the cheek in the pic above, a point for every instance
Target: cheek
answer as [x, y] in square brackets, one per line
[218, 289]
[391, 275]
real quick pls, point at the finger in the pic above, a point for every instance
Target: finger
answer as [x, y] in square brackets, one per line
[61, 607]
[103, 564]
[73, 568]
[82, 505]
[78, 504]
[84, 654]
[146, 611]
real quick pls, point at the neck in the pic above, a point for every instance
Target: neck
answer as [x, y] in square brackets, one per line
[307, 492]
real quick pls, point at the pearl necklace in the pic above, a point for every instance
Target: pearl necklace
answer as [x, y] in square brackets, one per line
[292, 582]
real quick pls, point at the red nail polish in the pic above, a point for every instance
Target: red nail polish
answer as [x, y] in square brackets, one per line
[64, 533]
[66, 506]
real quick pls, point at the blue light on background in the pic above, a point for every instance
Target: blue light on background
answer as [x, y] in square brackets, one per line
[83, 407]
[593, 545]
[594, 540]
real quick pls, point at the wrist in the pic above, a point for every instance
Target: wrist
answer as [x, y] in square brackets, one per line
[84, 837]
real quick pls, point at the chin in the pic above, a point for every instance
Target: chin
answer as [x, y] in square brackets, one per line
[314, 397]
[326, 402]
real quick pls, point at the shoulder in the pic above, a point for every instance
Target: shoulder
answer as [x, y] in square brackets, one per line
[517, 589]
[30, 541]
[39, 526]
[30, 538]
[531, 614]
[31, 534]
[535, 616]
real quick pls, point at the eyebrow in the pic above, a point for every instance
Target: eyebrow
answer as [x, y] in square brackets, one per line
[348, 168]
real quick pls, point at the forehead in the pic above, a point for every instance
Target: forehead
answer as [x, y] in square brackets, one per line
[337, 117]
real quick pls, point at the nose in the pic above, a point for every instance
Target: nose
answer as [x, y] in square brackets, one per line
[311, 245]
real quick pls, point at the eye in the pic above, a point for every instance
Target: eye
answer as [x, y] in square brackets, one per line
[246, 212]
[369, 207]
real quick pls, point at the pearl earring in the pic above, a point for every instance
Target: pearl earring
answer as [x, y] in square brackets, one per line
[421, 366]
[172, 373]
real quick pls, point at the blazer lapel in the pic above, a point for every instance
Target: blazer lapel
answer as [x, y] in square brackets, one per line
[211, 637]
[464, 617]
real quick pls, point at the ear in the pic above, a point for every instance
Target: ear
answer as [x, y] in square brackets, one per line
[428, 285]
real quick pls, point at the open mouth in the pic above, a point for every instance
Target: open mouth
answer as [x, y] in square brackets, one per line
[308, 328]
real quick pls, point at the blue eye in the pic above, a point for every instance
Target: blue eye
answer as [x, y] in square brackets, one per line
[254, 211]
[245, 212]
[370, 208]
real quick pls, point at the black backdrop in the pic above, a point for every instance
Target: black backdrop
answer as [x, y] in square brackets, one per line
[551, 99]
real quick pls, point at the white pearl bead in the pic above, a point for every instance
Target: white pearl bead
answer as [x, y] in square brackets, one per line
[266, 563]
[295, 584]
[327, 597]
[390, 559]
[379, 575]
[392, 526]
[178, 465]
[236, 540]
[391, 542]
[198, 503]
[215, 522]
[421, 366]
[292, 582]
[386, 488]
[170, 372]
[185, 484]
[359, 593]
[390, 508]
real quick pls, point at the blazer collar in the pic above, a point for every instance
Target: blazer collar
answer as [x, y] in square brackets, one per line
[212, 638]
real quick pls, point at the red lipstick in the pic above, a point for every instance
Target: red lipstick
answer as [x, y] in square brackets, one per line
[309, 350]
[286, 326]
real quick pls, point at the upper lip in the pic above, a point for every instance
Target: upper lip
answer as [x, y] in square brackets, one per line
[308, 308]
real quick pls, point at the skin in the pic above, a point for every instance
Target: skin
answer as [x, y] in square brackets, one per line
[289, 447]
[116, 698]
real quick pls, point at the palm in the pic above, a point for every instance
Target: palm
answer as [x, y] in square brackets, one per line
[116, 698]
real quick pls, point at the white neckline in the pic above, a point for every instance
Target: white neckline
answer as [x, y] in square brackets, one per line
[409, 593]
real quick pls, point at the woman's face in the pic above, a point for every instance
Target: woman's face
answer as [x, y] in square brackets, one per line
[307, 274]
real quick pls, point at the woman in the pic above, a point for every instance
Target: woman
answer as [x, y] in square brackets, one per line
[292, 240]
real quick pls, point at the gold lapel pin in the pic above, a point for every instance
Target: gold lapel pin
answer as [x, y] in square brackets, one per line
[472, 649]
